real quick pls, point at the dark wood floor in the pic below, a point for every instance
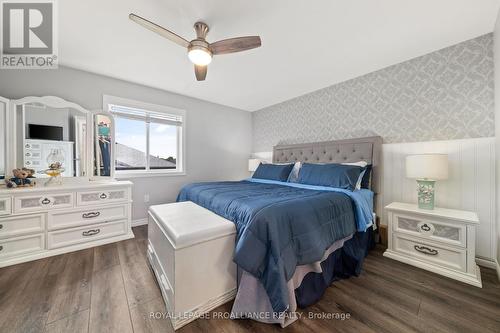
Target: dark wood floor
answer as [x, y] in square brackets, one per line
[111, 289]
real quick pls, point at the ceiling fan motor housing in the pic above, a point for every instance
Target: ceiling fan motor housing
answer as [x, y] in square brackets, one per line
[199, 44]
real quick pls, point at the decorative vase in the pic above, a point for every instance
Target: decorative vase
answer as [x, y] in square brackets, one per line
[426, 190]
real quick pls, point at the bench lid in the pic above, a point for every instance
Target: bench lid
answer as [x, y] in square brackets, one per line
[186, 223]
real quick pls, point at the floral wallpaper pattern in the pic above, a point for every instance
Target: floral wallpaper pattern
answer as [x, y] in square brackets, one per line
[448, 94]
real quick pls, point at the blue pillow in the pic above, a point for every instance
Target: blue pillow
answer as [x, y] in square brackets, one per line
[332, 175]
[279, 172]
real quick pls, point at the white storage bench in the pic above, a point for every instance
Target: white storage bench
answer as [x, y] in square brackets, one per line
[191, 252]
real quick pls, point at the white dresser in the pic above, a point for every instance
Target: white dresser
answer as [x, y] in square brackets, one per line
[440, 240]
[44, 221]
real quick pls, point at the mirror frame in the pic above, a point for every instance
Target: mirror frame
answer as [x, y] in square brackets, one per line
[108, 114]
[55, 102]
[6, 146]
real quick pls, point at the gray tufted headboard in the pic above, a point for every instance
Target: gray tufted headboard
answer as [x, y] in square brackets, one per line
[340, 151]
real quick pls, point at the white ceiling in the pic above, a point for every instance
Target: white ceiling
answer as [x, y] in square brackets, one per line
[307, 45]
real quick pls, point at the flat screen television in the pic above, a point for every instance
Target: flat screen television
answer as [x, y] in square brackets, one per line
[44, 132]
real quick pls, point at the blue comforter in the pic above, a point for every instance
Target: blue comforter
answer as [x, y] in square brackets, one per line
[282, 225]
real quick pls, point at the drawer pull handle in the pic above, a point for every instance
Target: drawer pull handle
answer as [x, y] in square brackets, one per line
[103, 196]
[426, 250]
[1, 226]
[1, 247]
[91, 232]
[91, 215]
[45, 201]
[425, 227]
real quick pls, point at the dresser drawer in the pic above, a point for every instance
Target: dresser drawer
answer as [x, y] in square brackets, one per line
[5, 205]
[89, 233]
[43, 202]
[32, 155]
[100, 197]
[21, 245]
[454, 258]
[32, 146]
[32, 163]
[76, 218]
[21, 225]
[439, 231]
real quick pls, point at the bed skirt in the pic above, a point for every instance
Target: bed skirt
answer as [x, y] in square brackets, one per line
[308, 284]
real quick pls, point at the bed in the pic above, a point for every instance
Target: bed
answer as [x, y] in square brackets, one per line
[294, 240]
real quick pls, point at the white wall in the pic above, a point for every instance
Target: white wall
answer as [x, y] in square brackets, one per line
[218, 138]
[38, 116]
[497, 129]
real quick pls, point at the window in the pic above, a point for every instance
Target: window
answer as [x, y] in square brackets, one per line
[149, 138]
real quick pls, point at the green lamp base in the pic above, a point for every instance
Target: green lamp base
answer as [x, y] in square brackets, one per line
[426, 191]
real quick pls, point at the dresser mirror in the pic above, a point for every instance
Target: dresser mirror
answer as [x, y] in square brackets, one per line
[103, 143]
[48, 132]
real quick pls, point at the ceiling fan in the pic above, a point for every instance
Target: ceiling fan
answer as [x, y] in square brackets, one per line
[200, 52]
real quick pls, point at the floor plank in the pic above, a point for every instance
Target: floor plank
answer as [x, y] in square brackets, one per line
[76, 323]
[29, 310]
[109, 311]
[112, 289]
[144, 320]
[139, 282]
[105, 256]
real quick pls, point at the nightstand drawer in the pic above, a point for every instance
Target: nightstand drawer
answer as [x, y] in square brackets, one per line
[439, 231]
[454, 258]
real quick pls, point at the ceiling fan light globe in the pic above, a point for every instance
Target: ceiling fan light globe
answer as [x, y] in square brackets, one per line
[199, 57]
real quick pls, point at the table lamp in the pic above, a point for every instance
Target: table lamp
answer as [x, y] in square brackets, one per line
[426, 169]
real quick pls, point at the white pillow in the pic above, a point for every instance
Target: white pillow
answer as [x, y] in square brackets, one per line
[294, 174]
[362, 164]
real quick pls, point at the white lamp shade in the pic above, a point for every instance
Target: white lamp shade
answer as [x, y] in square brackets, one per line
[427, 166]
[253, 163]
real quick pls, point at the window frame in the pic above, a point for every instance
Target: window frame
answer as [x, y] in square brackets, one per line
[180, 169]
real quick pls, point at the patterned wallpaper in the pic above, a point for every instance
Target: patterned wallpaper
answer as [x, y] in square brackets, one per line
[444, 95]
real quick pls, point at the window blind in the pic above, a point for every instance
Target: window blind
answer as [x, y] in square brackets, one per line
[148, 116]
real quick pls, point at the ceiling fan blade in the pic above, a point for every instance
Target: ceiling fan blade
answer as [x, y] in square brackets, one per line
[200, 72]
[237, 44]
[159, 30]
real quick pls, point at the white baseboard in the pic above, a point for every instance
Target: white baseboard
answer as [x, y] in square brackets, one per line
[136, 223]
[487, 263]
[493, 264]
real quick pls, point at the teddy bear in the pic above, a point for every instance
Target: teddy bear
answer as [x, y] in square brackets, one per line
[22, 177]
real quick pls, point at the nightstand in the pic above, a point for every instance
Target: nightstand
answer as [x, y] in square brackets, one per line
[439, 240]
